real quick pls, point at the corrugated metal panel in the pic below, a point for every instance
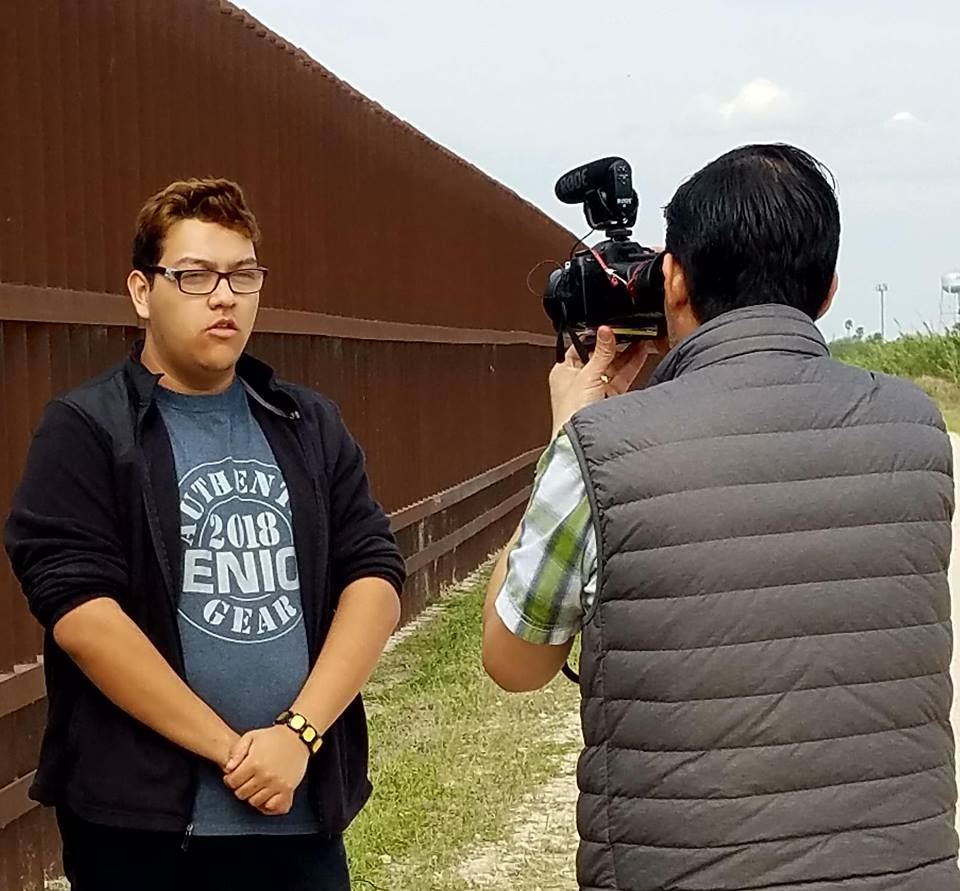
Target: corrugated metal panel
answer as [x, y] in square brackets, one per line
[428, 415]
[111, 99]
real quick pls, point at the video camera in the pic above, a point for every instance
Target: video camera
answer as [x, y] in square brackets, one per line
[618, 282]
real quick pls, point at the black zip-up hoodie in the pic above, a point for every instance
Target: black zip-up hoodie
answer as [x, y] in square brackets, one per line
[97, 514]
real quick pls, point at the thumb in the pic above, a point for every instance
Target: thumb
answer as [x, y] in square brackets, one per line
[239, 751]
[604, 352]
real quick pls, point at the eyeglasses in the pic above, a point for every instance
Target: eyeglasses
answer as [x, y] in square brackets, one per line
[200, 282]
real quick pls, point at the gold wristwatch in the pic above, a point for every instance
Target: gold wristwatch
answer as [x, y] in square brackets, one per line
[303, 728]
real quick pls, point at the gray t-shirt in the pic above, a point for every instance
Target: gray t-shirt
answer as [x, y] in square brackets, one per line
[240, 615]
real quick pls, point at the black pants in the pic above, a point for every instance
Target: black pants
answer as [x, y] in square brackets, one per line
[104, 858]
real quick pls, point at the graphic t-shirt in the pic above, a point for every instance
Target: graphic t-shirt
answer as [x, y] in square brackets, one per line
[240, 616]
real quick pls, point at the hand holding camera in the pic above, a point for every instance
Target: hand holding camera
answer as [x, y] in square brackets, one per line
[575, 384]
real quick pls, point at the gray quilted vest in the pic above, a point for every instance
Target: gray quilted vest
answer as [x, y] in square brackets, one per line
[765, 674]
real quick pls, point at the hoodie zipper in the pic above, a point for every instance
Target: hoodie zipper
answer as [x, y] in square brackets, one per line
[290, 416]
[156, 533]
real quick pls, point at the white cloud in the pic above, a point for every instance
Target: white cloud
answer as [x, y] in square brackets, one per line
[902, 120]
[761, 98]
[758, 100]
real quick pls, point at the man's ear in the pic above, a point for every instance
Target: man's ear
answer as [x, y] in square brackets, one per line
[681, 319]
[139, 289]
[831, 293]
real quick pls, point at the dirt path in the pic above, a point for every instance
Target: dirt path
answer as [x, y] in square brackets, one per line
[540, 845]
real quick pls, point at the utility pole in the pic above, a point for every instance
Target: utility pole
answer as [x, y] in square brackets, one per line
[881, 290]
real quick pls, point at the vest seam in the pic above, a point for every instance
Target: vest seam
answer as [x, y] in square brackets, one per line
[791, 532]
[835, 581]
[944, 672]
[785, 838]
[781, 792]
[865, 877]
[809, 636]
[849, 878]
[806, 742]
[699, 490]
[695, 372]
[617, 455]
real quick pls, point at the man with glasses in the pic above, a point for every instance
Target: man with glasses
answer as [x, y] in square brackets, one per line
[216, 583]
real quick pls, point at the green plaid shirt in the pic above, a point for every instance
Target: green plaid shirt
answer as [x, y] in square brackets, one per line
[552, 569]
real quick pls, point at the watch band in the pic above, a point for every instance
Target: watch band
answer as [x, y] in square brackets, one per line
[303, 728]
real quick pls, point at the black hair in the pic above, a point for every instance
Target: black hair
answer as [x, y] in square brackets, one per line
[758, 225]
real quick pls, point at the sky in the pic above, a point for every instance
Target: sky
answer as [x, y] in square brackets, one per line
[526, 90]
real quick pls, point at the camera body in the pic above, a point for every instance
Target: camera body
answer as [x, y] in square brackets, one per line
[618, 282]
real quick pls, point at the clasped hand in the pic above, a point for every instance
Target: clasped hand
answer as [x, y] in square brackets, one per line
[265, 769]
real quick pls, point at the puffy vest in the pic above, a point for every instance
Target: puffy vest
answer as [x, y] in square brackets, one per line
[765, 672]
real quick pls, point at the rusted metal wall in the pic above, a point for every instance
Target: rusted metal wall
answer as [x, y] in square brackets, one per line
[102, 102]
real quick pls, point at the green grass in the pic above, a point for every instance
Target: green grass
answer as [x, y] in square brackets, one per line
[911, 355]
[930, 360]
[947, 395]
[451, 755]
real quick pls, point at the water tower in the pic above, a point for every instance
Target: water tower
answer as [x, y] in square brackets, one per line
[950, 295]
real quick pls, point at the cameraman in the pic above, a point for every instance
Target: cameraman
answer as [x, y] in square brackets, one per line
[754, 548]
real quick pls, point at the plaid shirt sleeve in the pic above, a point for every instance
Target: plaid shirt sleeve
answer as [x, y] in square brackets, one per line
[551, 570]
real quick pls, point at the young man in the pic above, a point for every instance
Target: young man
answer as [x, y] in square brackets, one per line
[216, 583]
[755, 550]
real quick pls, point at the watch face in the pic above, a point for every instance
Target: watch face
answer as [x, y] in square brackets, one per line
[298, 722]
[309, 735]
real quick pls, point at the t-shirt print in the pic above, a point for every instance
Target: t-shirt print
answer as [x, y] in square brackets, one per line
[240, 565]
